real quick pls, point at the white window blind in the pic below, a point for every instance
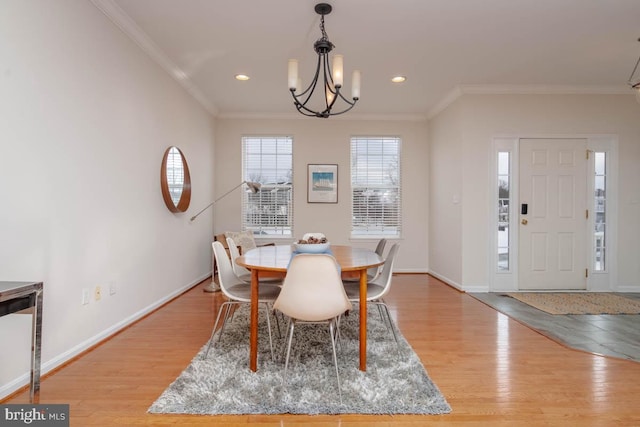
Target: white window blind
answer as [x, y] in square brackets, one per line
[269, 161]
[376, 187]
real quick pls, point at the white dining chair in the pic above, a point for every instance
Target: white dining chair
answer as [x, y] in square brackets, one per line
[238, 292]
[242, 273]
[378, 288]
[373, 272]
[312, 292]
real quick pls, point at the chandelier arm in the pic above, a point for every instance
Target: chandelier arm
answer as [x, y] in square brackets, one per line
[302, 106]
[312, 86]
[329, 86]
[352, 103]
[310, 89]
[312, 113]
[305, 111]
[327, 72]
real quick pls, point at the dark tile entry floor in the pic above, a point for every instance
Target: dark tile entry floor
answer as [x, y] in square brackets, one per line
[616, 335]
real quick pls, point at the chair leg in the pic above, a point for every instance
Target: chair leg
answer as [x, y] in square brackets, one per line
[267, 312]
[338, 334]
[284, 348]
[275, 314]
[286, 361]
[226, 318]
[386, 310]
[332, 334]
[224, 306]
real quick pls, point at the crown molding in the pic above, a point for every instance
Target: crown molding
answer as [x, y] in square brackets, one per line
[447, 100]
[545, 89]
[460, 90]
[112, 11]
[350, 117]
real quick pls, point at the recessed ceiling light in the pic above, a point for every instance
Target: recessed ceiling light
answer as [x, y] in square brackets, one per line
[242, 77]
[399, 79]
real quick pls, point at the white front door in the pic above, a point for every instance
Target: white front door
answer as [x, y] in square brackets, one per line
[553, 214]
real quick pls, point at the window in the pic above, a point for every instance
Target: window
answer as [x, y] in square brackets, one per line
[375, 187]
[504, 211]
[269, 161]
[600, 204]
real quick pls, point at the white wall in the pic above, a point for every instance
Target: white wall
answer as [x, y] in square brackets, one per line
[85, 117]
[484, 117]
[445, 194]
[328, 141]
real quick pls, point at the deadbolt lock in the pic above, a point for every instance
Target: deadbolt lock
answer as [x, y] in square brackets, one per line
[524, 222]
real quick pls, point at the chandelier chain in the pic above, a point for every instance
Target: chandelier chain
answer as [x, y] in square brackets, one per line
[324, 33]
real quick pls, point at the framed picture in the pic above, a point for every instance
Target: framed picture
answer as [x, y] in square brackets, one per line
[322, 184]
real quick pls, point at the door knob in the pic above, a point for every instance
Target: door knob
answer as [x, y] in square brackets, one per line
[524, 222]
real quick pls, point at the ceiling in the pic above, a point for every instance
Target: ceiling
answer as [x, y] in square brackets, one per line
[443, 47]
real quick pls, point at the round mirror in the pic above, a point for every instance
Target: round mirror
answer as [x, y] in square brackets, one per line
[175, 180]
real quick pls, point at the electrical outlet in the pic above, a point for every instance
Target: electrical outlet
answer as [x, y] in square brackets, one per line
[85, 296]
[97, 294]
[112, 288]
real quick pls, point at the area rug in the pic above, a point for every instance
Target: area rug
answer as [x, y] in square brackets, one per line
[578, 303]
[395, 382]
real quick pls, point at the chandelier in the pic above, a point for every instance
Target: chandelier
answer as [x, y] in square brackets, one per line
[327, 81]
[634, 80]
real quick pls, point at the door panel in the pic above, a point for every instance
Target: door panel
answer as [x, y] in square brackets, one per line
[552, 232]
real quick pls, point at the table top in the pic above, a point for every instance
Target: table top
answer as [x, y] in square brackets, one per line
[277, 258]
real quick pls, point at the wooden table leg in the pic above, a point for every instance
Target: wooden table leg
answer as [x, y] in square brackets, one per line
[253, 336]
[363, 320]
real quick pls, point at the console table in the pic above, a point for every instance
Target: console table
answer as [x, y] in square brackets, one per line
[18, 296]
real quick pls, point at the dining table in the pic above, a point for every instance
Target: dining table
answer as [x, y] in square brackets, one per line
[267, 260]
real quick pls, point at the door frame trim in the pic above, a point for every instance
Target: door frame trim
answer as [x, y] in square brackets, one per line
[507, 281]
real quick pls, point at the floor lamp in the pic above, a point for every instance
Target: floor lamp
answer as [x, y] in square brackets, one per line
[254, 187]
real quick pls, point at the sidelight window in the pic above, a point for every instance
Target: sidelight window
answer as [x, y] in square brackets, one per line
[600, 210]
[504, 209]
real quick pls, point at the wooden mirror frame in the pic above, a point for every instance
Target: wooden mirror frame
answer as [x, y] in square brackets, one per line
[185, 197]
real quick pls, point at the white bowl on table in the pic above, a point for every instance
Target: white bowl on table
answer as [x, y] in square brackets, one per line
[311, 248]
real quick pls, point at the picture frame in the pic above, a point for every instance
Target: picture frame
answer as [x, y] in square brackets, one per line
[322, 183]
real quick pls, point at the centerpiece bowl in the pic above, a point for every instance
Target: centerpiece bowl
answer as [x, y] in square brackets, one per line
[311, 248]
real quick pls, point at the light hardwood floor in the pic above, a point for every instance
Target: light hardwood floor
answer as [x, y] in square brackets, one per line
[493, 370]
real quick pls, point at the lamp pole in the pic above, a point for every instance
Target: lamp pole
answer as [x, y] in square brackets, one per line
[215, 201]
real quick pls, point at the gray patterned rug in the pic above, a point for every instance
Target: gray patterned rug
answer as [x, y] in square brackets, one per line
[395, 381]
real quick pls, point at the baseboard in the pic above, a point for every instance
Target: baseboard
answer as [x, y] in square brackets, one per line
[627, 288]
[411, 270]
[477, 288]
[446, 280]
[61, 359]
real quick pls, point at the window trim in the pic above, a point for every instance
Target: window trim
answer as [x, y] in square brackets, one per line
[286, 232]
[372, 235]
